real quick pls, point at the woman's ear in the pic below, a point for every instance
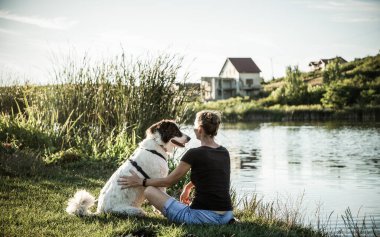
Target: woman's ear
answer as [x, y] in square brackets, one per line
[200, 130]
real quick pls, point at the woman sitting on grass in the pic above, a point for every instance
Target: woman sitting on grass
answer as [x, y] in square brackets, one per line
[210, 175]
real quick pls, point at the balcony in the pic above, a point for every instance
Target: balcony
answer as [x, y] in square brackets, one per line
[250, 87]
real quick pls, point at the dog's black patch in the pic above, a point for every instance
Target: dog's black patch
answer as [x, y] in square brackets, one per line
[167, 130]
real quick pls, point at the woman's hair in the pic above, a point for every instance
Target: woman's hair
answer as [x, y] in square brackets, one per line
[209, 120]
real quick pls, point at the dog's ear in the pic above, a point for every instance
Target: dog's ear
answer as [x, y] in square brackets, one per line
[152, 129]
[168, 129]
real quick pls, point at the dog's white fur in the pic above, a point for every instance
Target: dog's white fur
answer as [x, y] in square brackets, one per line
[128, 201]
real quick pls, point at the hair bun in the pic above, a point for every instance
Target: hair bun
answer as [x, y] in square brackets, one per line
[210, 121]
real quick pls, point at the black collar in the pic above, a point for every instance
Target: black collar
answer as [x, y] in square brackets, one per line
[156, 153]
[134, 163]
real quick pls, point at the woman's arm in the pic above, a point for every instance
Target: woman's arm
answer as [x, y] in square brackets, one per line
[172, 178]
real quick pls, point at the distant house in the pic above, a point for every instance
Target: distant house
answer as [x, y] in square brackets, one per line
[322, 63]
[238, 76]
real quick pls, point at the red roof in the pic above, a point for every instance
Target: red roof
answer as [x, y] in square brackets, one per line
[244, 65]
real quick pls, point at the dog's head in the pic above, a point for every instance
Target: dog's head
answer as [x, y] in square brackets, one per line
[167, 134]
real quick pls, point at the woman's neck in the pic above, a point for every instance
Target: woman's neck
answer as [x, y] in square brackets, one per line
[209, 141]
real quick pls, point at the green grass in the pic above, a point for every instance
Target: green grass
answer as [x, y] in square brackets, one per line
[33, 198]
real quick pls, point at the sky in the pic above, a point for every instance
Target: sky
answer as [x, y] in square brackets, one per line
[274, 33]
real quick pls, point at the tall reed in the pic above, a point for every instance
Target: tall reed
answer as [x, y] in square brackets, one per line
[120, 91]
[101, 107]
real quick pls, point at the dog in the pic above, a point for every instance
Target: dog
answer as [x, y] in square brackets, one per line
[150, 158]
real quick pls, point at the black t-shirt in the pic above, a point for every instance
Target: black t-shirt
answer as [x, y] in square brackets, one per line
[210, 174]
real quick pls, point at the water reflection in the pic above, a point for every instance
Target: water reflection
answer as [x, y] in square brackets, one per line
[248, 160]
[336, 165]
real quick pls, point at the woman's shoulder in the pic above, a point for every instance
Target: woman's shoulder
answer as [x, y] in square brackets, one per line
[209, 150]
[212, 148]
[206, 148]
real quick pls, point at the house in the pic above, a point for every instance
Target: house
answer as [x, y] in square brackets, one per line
[322, 63]
[238, 76]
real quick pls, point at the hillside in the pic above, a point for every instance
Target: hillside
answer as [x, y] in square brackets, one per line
[349, 91]
[368, 67]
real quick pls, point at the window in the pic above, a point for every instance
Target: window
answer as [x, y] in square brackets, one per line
[249, 82]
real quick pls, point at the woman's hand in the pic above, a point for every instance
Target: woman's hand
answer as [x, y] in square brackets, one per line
[185, 195]
[184, 198]
[130, 181]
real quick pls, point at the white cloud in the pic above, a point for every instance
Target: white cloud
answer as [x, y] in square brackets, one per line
[57, 23]
[342, 5]
[8, 32]
[354, 19]
[346, 11]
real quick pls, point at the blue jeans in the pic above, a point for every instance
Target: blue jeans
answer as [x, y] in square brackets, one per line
[178, 212]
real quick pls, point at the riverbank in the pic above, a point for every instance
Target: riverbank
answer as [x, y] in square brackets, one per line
[238, 110]
[33, 197]
[304, 115]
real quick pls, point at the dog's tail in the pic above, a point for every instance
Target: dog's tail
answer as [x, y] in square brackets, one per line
[80, 204]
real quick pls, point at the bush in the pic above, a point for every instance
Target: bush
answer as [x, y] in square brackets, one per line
[350, 92]
[292, 92]
[315, 94]
[333, 72]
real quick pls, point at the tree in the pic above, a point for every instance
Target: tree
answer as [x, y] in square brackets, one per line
[333, 72]
[295, 90]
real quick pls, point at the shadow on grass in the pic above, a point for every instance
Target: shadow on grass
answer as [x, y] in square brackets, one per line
[24, 164]
[156, 227]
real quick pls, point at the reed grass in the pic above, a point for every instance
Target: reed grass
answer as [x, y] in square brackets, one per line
[99, 108]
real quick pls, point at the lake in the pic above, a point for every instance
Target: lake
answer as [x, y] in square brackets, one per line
[330, 166]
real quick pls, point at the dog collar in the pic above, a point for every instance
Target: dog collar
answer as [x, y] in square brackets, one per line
[134, 163]
[156, 153]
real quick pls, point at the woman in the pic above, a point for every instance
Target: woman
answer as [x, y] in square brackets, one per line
[210, 176]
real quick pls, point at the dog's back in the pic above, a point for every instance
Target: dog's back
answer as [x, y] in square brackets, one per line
[113, 199]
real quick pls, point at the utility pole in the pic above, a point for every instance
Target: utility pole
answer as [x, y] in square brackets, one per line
[271, 65]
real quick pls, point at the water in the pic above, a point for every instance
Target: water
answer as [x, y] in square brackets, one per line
[330, 166]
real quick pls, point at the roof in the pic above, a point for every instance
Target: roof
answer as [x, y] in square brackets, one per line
[326, 61]
[340, 59]
[314, 63]
[243, 65]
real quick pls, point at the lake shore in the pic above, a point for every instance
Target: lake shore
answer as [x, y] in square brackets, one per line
[268, 115]
[303, 113]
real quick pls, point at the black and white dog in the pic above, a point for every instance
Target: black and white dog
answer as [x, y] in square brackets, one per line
[149, 158]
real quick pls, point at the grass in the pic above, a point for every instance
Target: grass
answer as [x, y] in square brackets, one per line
[33, 198]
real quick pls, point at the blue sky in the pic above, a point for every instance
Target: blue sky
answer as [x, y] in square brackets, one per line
[274, 33]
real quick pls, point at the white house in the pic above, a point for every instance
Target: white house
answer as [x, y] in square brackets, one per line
[322, 63]
[239, 76]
